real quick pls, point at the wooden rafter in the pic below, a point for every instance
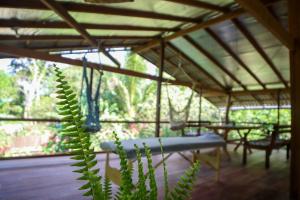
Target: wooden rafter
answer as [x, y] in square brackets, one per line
[200, 4]
[234, 56]
[21, 52]
[199, 68]
[218, 64]
[82, 47]
[63, 13]
[257, 9]
[190, 76]
[202, 25]
[11, 23]
[97, 9]
[214, 60]
[262, 92]
[259, 49]
[70, 37]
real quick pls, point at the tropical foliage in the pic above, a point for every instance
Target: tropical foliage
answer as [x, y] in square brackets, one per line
[27, 89]
[78, 141]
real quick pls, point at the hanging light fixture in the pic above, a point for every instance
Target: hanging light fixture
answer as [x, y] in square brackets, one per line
[108, 1]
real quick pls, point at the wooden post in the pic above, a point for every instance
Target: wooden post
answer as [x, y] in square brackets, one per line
[294, 28]
[200, 112]
[227, 120]
[278, 107]
[159, 83]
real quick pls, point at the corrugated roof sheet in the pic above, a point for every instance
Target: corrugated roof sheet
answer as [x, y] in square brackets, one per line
[189, 64]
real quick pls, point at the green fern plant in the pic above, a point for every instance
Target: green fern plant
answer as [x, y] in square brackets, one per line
[78, 142]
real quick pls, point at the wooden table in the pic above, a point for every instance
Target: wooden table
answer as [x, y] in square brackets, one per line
[242, 130]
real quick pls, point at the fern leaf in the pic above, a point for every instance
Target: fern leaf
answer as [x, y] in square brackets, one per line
[125, 169]
[141, 186]
[151, 172]
[166, 182]
[78, 140]
[107, 189]
[184, 186]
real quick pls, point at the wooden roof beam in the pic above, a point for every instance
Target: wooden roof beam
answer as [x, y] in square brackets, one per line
[71, 37]
[22, 52]
[63, 13]
[184, 71]
[257, 9]
[218, 64]
[259, 49]
[10, 23]
[200, 4]
[234, 56]
[183, 32]
[197, 66]
[262, 92]
[213, 60]
[96, 9]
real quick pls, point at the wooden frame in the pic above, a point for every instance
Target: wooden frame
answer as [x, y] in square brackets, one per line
[215, 162]
[97, 9]
[294, 30]
[159, 86]
[59, 10]
[5, 23]
[262, 15]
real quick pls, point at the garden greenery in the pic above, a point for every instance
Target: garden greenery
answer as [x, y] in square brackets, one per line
[78, 142]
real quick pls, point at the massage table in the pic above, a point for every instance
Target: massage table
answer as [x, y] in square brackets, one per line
[170, 146]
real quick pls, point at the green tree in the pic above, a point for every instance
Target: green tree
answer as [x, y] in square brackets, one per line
[8, 94]
[31, 77]
[131, 95]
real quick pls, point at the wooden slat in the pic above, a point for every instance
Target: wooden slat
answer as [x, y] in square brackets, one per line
[97, 9]
[63, 13]
[262, 92]
[71, 37]
[20, 52]
[259, 49]
[262, 15]
[46, 177]
[294, 28]
[234, 56]
[202, 25]
[200, 4]
[10, 23]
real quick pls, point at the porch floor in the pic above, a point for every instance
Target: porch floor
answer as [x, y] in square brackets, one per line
[52, 179]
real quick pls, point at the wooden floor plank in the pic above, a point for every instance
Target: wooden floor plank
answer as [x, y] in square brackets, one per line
[52, 179]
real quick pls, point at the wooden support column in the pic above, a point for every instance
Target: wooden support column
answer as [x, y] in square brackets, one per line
[278, 107]
[294, 28]
[228, 105]
[159, 84]
[200, 112]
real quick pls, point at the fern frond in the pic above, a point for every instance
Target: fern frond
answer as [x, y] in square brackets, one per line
[125, 169]
[151, 173]
[184, 186]
[107, 189]
[166, 182]
[141, 186]
[78, 141]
